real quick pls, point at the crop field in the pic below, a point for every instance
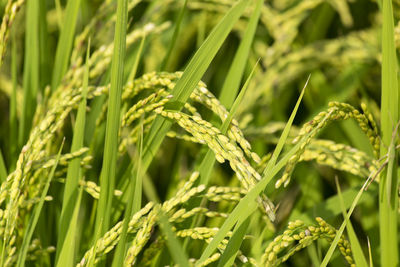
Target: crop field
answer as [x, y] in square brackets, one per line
[199, 133]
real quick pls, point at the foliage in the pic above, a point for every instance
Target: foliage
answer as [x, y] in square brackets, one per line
[114, 114]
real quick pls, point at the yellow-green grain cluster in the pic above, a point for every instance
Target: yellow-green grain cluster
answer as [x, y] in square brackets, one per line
[10, 12]
[298, 236]
[336, 112]
[292, 39]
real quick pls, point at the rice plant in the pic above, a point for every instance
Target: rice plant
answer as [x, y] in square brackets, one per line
[199, 133]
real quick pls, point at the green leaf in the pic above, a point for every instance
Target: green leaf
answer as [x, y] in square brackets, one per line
[133, 206]
[67, 255]
[132, 74]
[174, 246]
[388, 199]
[171, 46]
[330, 208]
[3, 170]
[107, 177]
[13, 103]
[31, 70]
[339, 232]
[285, 133]
[371, 264]
[228, 257]
[65, 42]
[235, 74]
[354, 242]
[68, 223]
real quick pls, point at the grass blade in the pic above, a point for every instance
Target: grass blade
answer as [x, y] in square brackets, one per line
[45, 58]
[68, 223]
[107, 177]
[174, 246]
[171, 46]
[67, 254]
[31, 70]
[133, 206]
[132, 74]
[138, 182]
[235, 74]
[355, 244]
[313, 254]
[285, 133]
[65, 42]
[388, 202]
[229, 255]
[3, 170]
[339, 232]
[35, 215]
[13, 104]
[371, 264]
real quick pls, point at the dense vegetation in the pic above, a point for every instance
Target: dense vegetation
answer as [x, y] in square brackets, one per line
[199, 132]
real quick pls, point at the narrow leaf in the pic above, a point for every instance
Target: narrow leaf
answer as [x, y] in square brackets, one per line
[171, 46]
[235, 74]
[228, 257]
[354, 242]
[174, 246]
[342, 227]
[13, 103]
[3, 170]
[388, 202]
[31, 70]
[133, 205]
[67, 231]
[67, 255]
[65, 42]
[107, 177]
